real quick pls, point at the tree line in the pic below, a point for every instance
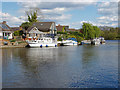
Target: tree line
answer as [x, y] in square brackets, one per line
[112, 34]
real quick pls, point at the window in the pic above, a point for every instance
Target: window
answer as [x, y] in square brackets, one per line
[8, 34]
[5, 34]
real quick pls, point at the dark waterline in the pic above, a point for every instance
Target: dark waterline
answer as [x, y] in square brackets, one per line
[62, 67]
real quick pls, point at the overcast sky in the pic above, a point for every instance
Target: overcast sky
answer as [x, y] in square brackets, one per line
[64, 13]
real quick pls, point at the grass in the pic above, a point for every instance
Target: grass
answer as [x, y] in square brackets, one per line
[14, 40]
[21, 42]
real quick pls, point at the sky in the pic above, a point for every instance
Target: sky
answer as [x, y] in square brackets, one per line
[72, 13]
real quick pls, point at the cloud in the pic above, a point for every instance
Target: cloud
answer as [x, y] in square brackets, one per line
[11, 20]
[61, 0]
[109, 13]
[56, 11]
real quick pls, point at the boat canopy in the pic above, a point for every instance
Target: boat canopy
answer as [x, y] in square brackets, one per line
[74, 39]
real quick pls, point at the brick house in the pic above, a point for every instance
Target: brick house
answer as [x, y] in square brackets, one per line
[62, 28]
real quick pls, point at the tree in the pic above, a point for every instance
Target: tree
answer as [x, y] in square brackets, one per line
[111, 34]
[63, 29]
[25, 25]
[88, 31]
[32, 17]
[97, 31]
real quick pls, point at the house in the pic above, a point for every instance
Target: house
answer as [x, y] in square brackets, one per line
[1, 34]
[5, 31]
[39, 29]
[62, 28]
[73, 30]
[16, 28]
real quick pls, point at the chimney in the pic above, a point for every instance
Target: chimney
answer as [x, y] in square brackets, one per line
[4, 22]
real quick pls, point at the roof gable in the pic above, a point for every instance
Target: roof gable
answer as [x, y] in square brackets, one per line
[35, 30]
[4, 26]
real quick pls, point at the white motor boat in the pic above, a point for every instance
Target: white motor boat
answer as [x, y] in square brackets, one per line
[102, 40]
[70, 42]
[43, 42]
[95, 41]
[88, 42]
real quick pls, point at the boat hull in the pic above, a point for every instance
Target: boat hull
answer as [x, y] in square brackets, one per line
[70, 44]
[43, 45]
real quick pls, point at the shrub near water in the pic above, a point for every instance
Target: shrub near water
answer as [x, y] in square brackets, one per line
[14, 40]
[21, 42]
[59, 39]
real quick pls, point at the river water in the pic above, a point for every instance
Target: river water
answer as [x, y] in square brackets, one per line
[83, 66]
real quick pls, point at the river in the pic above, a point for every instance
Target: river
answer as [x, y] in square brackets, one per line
[82, 66]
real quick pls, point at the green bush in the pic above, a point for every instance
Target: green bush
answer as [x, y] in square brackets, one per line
[21, 42]
[14, 40]
[18, 33]
[59, 32]
[59, 39]
[79, 39]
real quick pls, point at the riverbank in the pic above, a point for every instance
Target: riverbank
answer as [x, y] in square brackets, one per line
[11, 46]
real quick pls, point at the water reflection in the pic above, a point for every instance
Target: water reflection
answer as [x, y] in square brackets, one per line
[79, 66]
[89, 54]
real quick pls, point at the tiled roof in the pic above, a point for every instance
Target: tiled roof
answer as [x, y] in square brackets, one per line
[15, 28]
[4, 27]
[42, 26]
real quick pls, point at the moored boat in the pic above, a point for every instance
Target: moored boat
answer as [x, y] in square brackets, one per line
[43, 42]
[70, 42]
[88, 42]
[102, 40]
[95, 41]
